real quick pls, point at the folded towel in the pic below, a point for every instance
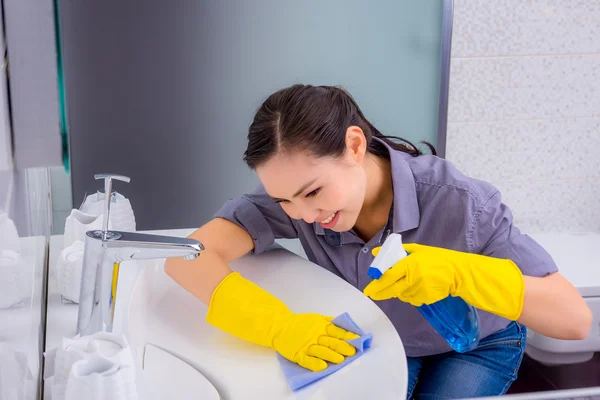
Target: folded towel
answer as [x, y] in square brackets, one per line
[15, 286]
[89, 367]
[99, 378]
[16, 379]
[68, 271]
[298, 377]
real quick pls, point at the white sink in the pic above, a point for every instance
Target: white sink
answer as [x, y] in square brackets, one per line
[182, 382]
[163, 314]
[152, 309]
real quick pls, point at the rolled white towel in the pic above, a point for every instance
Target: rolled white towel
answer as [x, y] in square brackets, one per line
[98, 378]
[68, 271]
[94, 367]
[14, 285]
[16, 379]
[121, 212]
[78, 223]
[9, 237]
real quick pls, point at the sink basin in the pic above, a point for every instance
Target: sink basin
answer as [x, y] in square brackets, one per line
[163, 314]
[204, 362]
[182, 382]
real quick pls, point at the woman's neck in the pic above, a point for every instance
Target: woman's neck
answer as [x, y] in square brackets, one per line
[378, 197]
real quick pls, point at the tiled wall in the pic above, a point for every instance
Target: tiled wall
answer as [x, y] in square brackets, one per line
[524, 107]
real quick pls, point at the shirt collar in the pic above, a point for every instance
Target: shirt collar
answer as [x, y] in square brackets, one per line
[406, 207]
[406, 213]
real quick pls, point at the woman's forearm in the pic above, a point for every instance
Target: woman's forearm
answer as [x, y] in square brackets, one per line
[201, 276]
[554, 308]
[224, 242]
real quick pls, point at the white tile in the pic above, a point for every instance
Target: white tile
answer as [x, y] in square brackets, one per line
[550, 86]
[472, 147]
[547, 170]
[526, 150]
[524, 107]
[478, 89]
[555, 205]
[483, 89]
[519, 27]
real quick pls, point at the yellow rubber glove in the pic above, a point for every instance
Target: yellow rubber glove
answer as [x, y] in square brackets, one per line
[429, 274]
[247, 311]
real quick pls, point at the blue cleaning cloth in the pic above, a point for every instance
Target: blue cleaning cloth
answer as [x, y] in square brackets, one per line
[298, 377]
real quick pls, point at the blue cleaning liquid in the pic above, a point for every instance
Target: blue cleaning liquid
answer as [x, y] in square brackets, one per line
[455, 320]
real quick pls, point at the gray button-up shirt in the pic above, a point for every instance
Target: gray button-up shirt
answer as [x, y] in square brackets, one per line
[434, 204]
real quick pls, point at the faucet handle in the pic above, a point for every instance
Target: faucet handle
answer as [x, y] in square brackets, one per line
[122, 178]
[107, 195]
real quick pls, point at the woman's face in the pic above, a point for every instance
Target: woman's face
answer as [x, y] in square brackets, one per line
[325, 190]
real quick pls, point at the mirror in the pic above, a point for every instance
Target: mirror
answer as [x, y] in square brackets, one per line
[24, 232]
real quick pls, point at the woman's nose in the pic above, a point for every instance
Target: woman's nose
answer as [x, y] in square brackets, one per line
[309, 215]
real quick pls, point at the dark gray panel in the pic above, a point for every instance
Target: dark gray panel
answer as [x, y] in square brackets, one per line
[164, 91]
[30, 40]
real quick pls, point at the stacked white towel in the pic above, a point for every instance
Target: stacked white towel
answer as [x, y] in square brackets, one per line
[14, 286]
[121, 213]
[9, 237]
[15, 283]
[89, 218]
[78, 223]
[68, 271]
[16, 380]
[94, 367]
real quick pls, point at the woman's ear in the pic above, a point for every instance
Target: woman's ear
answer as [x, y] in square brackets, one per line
[356, 144]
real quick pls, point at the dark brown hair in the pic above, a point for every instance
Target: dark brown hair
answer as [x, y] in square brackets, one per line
[314, 119]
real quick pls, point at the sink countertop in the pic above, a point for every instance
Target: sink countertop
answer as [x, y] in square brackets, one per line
[575, 256]
[62, 317]
[163, 314]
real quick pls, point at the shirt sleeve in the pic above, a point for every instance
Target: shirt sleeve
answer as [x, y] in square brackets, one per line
[260, 216]
[492, 233]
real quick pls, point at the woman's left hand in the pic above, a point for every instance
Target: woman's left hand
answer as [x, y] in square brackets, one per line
[429, 274]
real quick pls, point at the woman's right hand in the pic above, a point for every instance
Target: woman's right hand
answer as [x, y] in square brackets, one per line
[247, 311]
[243, 309]
[311, 339]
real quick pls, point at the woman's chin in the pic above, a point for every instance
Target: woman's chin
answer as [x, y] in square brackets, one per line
[342, 225]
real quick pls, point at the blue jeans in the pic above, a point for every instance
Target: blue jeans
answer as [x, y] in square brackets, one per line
[488, 370]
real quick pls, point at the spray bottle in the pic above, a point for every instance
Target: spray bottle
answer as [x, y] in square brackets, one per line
[455, 320]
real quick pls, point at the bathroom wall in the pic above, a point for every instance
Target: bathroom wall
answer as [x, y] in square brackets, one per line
[166, 95]
[524, 107]
[62, 202]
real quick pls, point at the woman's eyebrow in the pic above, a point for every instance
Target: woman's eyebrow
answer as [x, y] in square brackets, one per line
[302, 189]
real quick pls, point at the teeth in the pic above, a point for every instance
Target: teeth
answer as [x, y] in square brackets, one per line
[329, 219]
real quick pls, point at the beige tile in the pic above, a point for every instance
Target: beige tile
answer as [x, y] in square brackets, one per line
[554, 205]
[526, 150]
[478, 89]
[528, 87]
[547, 170]
[520, 27]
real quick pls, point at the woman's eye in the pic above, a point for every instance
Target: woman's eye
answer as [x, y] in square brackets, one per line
[313, 193]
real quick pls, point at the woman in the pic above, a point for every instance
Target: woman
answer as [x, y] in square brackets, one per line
[331, 179]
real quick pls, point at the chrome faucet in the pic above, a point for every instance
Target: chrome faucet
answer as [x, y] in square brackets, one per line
[103, 253]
